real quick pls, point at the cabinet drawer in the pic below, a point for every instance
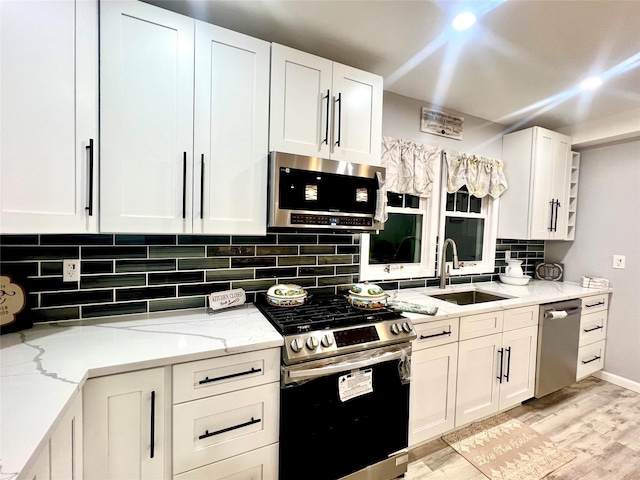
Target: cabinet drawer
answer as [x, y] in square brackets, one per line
[520, 317]
[214, 428]
[440, 332]
[593, 327]
[260, 464]
[213, 376]
[595, 303]
[481, 324]
[590, 359]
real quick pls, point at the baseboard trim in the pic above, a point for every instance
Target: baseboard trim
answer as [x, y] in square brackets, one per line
[617, 380]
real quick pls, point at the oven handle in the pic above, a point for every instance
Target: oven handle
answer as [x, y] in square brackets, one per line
[371, 357]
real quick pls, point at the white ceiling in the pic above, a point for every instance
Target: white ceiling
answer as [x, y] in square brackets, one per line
[519, 53]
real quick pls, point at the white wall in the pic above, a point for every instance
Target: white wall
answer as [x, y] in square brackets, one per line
[608, 223]
[401, 119]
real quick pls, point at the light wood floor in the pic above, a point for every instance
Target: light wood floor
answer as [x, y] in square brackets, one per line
[598, 421]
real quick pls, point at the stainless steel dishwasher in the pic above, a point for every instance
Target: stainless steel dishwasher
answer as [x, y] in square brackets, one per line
[558, 337]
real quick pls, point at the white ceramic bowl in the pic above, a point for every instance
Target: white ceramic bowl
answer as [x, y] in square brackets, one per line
[515, 280]
[366, 290]
[286, 295]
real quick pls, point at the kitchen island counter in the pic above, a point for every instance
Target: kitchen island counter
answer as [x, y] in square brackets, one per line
[44, 368]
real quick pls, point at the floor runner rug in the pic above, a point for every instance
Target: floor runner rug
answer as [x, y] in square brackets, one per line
[504, 448]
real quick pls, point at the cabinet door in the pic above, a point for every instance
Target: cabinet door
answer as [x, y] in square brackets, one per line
[561, 178]
[301, 100]
[357, 125]
[542, 187]
[231, 132]
[146, 115]
[48, 116]
[478, 387]
[433, 392]
[518, 366]
[66, 445]
[124, 426]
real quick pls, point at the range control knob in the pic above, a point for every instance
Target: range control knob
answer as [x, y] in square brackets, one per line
[327, 340]
[312, 343]
[406, 328]
[296, 344]
[394, 329]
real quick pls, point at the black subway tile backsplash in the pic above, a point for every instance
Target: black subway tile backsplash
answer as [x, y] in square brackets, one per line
[123, 274]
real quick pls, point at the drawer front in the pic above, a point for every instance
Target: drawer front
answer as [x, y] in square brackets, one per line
[436, 333]
[515, 318]
[593, 327]
[214, 376]
[481, 324]
[215, 428]
[590, 359]
[260, 464]
[595, 303]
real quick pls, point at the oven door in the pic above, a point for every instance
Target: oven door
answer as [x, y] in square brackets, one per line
[344, 414]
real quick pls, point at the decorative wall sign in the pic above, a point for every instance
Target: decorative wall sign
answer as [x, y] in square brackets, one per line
[14, 311]
[226, 299]
[440, 123]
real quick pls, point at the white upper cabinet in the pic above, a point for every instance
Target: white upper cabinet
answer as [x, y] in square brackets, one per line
[231, 131]
[146, 118]
[538, 168]
[48, 116]
[185, 117]
[325, 109]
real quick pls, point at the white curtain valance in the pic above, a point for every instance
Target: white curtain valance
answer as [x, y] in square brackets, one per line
[482, 175]
[411, 167]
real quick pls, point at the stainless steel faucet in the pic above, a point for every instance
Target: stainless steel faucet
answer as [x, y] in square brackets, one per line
[443, 262]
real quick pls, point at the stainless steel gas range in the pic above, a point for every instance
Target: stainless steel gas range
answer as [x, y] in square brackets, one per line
[345, 390]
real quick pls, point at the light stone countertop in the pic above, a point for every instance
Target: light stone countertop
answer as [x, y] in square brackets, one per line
[43, 368]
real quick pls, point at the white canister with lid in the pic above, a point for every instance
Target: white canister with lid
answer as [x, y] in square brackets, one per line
[514, 268]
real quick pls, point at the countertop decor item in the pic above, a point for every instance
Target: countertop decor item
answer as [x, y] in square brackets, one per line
[514, 268]
[594, 282]
[549, 271]
[523, 280]
[286, 295]
[367, 296]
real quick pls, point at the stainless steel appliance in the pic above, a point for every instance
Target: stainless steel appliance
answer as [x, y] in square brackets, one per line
[312, 192]
[558, 338]
[345, 390]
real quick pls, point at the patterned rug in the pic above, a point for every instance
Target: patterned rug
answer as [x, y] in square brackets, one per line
[504, 448]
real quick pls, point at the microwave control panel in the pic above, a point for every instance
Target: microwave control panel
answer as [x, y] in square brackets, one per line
[330, 220]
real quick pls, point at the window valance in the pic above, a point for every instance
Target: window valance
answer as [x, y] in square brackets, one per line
[482, 175]
[411, 167]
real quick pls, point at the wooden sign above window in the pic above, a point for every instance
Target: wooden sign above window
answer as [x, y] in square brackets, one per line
[440, 123]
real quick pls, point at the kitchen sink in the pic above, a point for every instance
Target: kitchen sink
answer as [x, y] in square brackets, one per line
[468, 298]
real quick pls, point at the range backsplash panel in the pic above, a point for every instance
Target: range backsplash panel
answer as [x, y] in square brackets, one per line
[125, 274]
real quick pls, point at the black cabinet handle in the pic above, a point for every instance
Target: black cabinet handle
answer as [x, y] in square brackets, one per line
[326, 125]
[601, 302]
[508, 363]
[552, 203]
[592, 360]
[555, 224]
[208, 434]
[184, 185]
[422, 337]
[202, 187]
[501, 352]
[339, 102]
[592, 329]
[232, 375]
[90, 152]
[153, 424]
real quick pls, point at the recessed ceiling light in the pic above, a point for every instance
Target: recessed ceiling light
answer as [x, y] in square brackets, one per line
[591, 83]
[464, 20]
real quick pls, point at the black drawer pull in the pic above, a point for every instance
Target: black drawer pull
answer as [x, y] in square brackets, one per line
[592, 329]
[601, 302]
[592, 360]
[208, 434]
[152, 433]
[90, 150]
[232, 375]
[422, 337]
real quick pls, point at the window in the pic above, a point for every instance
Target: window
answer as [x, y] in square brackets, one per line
[472, 223]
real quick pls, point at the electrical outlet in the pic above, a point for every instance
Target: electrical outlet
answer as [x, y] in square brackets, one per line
[507, 255]
[618, 261]
[71, 270]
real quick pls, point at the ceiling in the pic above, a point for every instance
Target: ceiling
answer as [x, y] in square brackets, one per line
[519, 65]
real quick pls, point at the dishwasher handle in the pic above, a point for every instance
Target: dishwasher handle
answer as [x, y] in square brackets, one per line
[568, 311]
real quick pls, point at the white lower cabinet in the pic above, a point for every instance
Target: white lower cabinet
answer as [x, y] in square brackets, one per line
[61, 458]
[125, 426]
[497, 371]
[226, 416]
[434, 363]
[593, 333]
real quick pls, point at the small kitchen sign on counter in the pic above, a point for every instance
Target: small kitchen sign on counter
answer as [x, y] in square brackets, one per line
[441, 123]
[227, 299]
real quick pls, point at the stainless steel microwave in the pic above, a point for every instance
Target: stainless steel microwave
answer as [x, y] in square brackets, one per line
[312, 192]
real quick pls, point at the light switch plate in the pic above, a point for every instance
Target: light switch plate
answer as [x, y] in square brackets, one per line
[619, 261]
